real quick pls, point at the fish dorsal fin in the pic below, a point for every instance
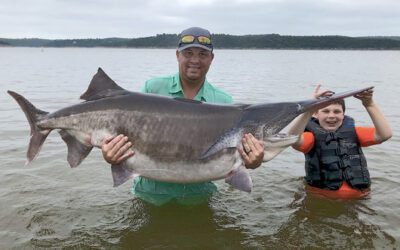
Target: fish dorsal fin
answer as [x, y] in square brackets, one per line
[102, 86]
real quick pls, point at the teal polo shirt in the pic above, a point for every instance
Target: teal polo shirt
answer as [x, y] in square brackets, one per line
[157, 192]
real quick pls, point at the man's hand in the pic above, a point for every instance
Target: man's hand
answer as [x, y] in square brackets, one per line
[252, 151]
[116, 149]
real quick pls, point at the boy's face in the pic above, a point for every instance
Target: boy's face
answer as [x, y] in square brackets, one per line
[330, 117]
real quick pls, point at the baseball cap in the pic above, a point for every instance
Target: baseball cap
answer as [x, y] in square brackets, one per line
[195, 37]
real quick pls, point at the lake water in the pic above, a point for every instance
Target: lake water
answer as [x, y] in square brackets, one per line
[48, 205]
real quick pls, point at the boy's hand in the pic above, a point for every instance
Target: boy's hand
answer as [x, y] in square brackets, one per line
[318, 94]
[366, 97]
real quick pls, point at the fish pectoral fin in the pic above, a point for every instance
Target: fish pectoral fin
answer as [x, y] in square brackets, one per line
[77, 151]
[275, 144]
[240, 179]
[229, 140]
[121, 174]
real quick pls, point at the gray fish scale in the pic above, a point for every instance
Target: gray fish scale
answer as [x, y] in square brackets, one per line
[174, 140]
[163, 136]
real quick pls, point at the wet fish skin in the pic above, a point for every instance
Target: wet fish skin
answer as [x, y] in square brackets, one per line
[176, 140]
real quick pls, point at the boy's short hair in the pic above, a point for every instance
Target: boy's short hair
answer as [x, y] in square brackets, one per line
[340, 102]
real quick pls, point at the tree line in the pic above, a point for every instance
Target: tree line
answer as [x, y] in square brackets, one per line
[223, 41]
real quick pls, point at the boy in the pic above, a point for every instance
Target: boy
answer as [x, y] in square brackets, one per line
[335, 164]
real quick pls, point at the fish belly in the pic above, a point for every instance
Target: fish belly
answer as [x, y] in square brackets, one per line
[184, 171]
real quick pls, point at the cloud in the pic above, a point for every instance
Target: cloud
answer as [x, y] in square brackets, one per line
[124, 18]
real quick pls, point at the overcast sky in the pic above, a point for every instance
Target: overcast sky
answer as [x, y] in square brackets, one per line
[58, 19]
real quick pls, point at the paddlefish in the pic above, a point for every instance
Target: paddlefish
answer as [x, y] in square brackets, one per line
[176, 140]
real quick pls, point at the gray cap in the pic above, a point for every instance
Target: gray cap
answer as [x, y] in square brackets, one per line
[196, 32]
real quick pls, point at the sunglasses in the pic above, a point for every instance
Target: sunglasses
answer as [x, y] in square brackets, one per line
[201, 39]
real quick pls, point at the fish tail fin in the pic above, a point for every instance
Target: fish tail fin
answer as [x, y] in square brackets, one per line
[38, 135]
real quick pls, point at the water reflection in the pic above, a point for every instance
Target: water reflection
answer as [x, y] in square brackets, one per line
[174, 226]
[326, 223]
[48, 205]
[141, 226]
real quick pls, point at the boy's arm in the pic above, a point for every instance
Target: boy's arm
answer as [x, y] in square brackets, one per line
[383, 131]
[298, 125]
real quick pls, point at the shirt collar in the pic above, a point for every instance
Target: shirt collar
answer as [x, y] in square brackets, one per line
[175, 89]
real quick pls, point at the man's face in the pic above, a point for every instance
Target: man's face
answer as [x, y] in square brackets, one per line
[330, 117]
[194, 63]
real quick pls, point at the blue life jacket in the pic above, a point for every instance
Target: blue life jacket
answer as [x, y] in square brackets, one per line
[336, 156]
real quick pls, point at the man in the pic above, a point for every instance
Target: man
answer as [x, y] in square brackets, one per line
[194, 55]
